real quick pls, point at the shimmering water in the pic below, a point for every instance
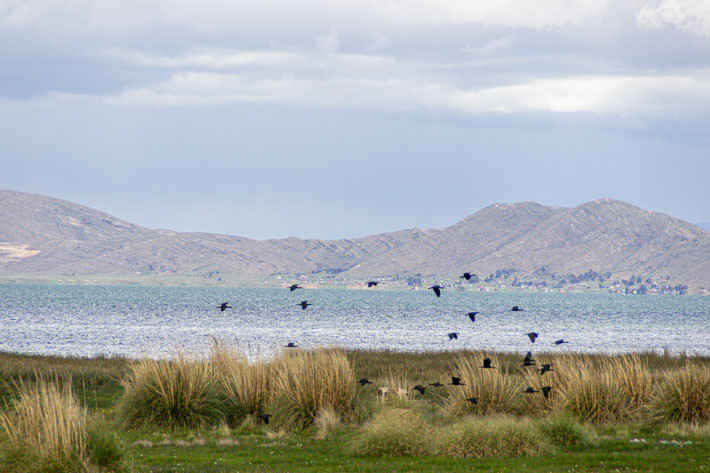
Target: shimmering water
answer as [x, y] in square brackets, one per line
[154, 321]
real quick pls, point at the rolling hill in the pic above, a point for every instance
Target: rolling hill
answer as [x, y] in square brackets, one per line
[40, 235]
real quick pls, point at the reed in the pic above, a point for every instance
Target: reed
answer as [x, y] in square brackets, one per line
[495, 389]
[175, 393]
[683, 395]
[307, 381]
[244, 385]
[46, 428]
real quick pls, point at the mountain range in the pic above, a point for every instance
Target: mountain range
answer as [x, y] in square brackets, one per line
[40, 235]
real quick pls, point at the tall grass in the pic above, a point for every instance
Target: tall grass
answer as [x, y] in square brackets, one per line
[47, 427]
[495, 390]
[604, 390]
[307, 381]
[181, 392]
[245, 386]
[684, 395]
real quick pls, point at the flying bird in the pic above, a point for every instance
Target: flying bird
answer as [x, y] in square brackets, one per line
[224, 306]
[419, 388]
[453, 336]
[437, 289]
[436, 385]
[472, 316]
[528, 358]
[560, 341]
[293, 287]
[533, 336]
[516, 309]
[467, 276]
[487, 363]
[291, 345]
[364, 381]
[546, 391]
[473, 400]
[265, 418]
[304, 304]
[456, 381]
[545, 368]
[371, 283]
[530, 391]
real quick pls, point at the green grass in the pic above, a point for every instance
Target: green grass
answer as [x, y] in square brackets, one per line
[635, 444]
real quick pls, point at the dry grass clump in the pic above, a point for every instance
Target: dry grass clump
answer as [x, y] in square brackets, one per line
[684, 395]
[245, 386]
[393, 432]
[307, 381]
[607, 390]
[326, 421]
[47, 429]
[495, 390]
[491, 437]
[170, 393]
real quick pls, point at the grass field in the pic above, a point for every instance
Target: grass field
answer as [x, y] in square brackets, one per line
[642, 412]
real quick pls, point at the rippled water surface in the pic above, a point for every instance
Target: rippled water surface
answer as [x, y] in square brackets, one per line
[154, 321]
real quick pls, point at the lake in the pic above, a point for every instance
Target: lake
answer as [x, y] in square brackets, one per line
[155, 321]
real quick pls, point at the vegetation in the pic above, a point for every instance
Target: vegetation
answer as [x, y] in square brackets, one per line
[641, 412]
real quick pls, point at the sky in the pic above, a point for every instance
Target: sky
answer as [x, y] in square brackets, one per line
[335, 119]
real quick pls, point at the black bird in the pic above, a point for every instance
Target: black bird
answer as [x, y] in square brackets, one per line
[304, 304]
[527, 363]
[364, 381]
[265, 418]
[530, 391]
[473, 400]
[291, 345]
[560, 341]
[456, 381]
[224, 306]
[472, 316]
[437, 289]
[436, 385]
[545, 368]
[487, 363]
[293, 287]
[453, 336]
[533, 336]
[371, 283]
[546, 391]
[419, 388]
[516, 309]
[528, 359]
[467, 276]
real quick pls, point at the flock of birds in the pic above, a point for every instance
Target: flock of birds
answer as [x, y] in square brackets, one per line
[455, 381]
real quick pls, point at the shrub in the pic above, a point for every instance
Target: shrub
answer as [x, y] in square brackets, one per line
[46, 429]
[496, 391]
[307, 381]
[488, 437]
[393, 432]
[684, 395]
[103, 448]
[170, 393]
[244, 386]
[565, 432]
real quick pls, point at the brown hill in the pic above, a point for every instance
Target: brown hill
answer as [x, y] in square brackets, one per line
[42, 235]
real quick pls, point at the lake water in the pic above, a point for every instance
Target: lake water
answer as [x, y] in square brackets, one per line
[155, 321]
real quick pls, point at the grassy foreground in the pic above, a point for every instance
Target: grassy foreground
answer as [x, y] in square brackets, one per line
[641, 412]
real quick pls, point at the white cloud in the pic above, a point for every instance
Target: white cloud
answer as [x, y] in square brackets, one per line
[690, 16]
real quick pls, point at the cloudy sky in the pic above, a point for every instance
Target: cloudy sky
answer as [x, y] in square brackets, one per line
[331, 119]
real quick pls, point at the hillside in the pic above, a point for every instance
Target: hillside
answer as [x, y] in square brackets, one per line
[43, 235]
